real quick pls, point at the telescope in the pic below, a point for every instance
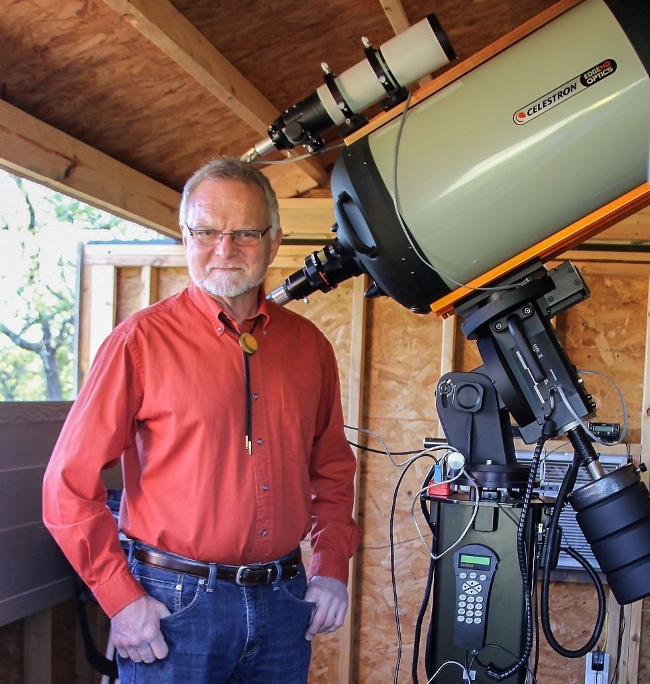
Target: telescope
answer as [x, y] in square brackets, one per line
[453, 204]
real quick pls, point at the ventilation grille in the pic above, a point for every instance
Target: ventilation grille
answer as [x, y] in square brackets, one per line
[552, 470]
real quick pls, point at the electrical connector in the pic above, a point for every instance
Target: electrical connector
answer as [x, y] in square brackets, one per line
[598, 661]
[597, 667]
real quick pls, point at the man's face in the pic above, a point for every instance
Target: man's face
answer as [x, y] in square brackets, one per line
[226, 269]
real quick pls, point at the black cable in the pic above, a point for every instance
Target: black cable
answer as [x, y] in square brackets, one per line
[418, 623]
[491, 670]
[391, 538]
[566, 487]
[427, 589]
[508, 652]
[537, 560]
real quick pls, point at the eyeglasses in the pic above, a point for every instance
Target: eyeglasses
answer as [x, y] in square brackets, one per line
[210, 237]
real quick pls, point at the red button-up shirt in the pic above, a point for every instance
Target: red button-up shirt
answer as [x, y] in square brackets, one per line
[166, 394]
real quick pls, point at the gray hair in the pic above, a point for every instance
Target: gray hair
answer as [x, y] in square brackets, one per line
[233, 169]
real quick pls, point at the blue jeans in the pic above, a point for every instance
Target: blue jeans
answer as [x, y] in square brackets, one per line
[221, 633]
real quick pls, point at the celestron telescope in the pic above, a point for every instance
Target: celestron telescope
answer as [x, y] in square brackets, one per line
[454, 205]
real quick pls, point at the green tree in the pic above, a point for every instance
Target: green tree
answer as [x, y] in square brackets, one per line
[40, 230]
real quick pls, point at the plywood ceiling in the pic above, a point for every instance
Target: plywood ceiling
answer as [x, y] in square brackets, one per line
[163, 86]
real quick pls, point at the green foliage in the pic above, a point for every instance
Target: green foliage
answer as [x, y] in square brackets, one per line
[39, 235]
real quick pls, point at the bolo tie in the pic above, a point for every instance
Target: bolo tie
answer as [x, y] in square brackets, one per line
[248, 346]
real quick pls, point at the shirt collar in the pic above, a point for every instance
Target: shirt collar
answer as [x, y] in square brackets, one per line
[214, 311]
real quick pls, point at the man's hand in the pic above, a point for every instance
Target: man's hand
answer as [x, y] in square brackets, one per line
[135, 630]
[331, 598]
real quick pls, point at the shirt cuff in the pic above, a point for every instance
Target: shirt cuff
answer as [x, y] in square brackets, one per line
[120, 590]
[330, 564]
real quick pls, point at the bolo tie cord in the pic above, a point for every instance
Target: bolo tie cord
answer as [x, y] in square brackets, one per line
[248, 346]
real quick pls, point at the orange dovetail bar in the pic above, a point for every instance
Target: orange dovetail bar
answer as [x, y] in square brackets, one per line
[551, 247]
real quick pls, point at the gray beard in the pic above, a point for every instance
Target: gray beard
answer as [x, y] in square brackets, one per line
[228, 289]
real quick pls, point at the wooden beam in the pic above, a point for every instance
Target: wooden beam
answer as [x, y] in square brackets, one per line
[288, 180]
[632, 229]
[149, 280]
[35, 150]
[355, 418]
[628, 672]
[608, 268]
[395, 14]
[130, 254]
[447, 346]
[166, 27]
[307, 219]
[103, 290]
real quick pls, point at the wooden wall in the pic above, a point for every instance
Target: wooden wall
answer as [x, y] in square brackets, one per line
[401, 357]
[35, 575]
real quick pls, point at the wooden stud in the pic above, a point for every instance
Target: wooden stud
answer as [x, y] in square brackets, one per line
[448, 343]
[38, 648]
[355, 411]
[102, 317]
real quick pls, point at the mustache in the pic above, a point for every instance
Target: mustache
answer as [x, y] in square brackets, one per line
[228, 266]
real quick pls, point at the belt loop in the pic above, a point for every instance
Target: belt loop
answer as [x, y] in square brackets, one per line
[212, 577]
[278, 579]
[131, 543]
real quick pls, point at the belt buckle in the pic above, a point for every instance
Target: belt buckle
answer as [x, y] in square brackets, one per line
[242, 568]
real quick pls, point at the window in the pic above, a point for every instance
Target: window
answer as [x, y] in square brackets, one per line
[40, 231]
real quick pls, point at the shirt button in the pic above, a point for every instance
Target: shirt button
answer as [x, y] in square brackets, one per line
[254, 396]
[260, 441]
[265, 488]
[219, 330]
[264, 533]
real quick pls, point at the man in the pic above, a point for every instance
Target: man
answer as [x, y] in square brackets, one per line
[225, 412]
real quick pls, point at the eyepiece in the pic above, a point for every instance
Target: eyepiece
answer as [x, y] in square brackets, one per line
[322, 271]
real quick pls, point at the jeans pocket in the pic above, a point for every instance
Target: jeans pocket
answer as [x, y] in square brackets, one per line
[295, 589]
[178, 592]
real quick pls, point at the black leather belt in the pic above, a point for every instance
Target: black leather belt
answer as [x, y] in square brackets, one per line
[244, 575]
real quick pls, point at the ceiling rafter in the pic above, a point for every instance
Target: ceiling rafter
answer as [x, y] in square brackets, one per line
[164, 26]
[33, 149]
[395, 14]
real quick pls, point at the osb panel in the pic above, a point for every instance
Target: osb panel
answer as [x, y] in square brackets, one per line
[129, 293]
[171, 281]
[403, 362]
[573, 613]
[402, 368]
[332, 313]
[606, 334]
[376, 645]
[77, 65]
